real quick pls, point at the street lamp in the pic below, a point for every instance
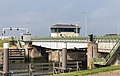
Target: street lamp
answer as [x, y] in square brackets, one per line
[76, 29]
[118, 30]
[85, 21]
[76, 25]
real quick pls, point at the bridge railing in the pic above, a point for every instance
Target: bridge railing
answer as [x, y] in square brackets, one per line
[40, 69]
[103, 61]
[114, 49]
[71, 66]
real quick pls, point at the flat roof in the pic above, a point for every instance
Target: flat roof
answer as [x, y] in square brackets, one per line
[65, 26]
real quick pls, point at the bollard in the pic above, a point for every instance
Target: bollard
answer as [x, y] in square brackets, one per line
[53, 67]
[6, 59]
[64, 56]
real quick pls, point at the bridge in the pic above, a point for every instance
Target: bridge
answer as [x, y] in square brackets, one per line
[59, 44]
[107, 46]
[104, 44]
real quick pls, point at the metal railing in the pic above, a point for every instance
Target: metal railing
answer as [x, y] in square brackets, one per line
[96, 38]
[19, 43]
[104, 61]
[113, 50]
[71, 66]
[14, 54]
[41, 69]
[19, 69]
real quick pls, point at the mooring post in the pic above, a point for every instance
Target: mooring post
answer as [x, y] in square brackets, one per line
[6, 59]
[64, 55]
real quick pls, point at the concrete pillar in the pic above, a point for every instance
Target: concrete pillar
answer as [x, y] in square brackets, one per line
[58, 56]
[6, 59]
[64, 55]
[95, 50]
[27, 45]
[91, 53]
[28, 56]
[49, 55]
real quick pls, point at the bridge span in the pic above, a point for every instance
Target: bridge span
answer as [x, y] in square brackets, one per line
[100, 52]
[103, 46]
[59, 44]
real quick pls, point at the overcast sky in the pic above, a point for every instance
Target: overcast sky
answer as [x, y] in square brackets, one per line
[103, 16]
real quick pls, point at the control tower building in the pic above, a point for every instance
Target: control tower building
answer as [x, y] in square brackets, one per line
[65, 30]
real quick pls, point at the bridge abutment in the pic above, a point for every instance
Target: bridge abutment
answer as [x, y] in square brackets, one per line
[92, 52]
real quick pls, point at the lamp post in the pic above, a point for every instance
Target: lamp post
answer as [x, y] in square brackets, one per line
[76, 30]
[118, 30]
[85, 21]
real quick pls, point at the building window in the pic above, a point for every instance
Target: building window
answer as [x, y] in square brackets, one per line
[53, 30]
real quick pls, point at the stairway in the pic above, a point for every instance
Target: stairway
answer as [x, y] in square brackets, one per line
[110, 57]
[16, 41]
[19, 43]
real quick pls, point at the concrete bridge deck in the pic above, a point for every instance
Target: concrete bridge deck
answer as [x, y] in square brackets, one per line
[103, 45]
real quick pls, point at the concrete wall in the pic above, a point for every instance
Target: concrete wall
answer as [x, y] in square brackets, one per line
[92, 52]
[35, 53]
[56, 55]
[105, 46]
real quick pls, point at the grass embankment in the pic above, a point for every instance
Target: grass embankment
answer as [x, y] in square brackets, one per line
[3, 41]
[79, 38]
[61, 38]
[89, 72]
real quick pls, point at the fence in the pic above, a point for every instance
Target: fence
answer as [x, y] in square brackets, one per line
[22, 69]
[71, 66]
[17, 55]
[41, 69]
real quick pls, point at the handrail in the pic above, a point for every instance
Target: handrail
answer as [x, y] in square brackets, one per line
[112, 51]
[103, 61]
[20, 46]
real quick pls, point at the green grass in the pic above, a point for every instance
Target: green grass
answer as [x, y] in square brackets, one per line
[3, 41]
[61, 38]
[89, 72]
[80, 38]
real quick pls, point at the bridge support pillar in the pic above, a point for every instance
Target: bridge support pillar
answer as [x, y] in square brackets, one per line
[27, 46]
[6, 59]
[91, 53]
[64, 56]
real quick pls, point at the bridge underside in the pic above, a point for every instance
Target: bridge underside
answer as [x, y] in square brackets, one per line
[55, 55]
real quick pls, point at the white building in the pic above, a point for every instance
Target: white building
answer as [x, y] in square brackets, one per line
[65, 30]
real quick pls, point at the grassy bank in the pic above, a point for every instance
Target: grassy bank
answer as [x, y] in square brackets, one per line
[89, 72]
[3, 41]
